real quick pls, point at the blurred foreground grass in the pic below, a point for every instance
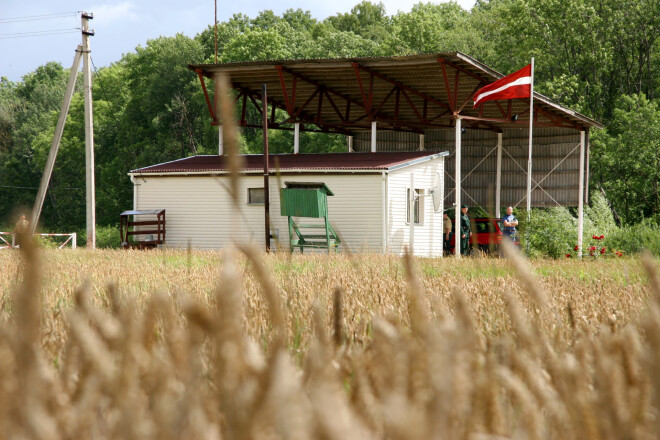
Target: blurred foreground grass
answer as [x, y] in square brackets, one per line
[241, 345]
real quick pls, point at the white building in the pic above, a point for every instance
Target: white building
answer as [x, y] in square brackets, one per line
[370, 208]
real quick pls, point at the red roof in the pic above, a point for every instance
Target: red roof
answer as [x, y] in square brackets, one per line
[325, 162]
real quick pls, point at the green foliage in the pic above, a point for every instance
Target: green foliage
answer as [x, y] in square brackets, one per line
[633, 239]
[627, 158]
[107, 237]
[552, 232]
[549, 232]
[601, 58]
[432, 28]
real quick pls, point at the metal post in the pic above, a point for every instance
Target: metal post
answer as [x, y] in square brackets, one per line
[221, 145]
[296, 138]
[373, 137]
[350, 143]
[457, 210]
[55, 145]
[581, 195]
[216, 106]
[529, 160]
[89, 133]
[264, 117]
[587, 139]
[421, 143]
[498, 178]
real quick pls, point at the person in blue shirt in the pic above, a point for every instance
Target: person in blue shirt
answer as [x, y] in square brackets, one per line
[509, 223]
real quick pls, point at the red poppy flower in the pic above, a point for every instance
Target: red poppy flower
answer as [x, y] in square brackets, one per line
[568, 255]
[602, 236]
[602, 251]
[594, 237]
[576, 247]
[592, 248]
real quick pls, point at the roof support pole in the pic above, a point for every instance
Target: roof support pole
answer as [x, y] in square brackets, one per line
[221, 145]
[264, 119]
[421, 143]
[581, 195]
[373, 136]
[384, 210]
[498, 178]
[529, 161]
[411, 212]
[457, 191]
[349, 140]
[587, 138]
[296, 138]
[55, 145]
[216, 106]
[89, 134]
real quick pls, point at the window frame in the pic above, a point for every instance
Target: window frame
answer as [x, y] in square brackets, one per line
[250, 196]
[418, 206]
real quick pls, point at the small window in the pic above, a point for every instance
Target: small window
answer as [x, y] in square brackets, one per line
[418, 206]
[256, 196]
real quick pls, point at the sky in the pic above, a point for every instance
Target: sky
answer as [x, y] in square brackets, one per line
[34, 32]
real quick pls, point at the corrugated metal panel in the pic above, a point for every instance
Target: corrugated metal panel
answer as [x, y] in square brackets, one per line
[422, 77]
[199, 210]
[428, 236]
[555, 163]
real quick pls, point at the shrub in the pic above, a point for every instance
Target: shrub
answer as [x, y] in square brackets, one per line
[549, 232]
[632, 239]
[552, 232]
[106, 237]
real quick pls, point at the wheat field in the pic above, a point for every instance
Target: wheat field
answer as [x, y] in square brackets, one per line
[239, 345]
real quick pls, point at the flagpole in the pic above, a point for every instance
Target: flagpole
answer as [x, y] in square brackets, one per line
[529, 161]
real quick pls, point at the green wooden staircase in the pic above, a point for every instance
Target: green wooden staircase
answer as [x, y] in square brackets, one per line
[308, 200]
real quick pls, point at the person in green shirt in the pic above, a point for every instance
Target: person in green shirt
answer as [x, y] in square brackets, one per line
[466, 231]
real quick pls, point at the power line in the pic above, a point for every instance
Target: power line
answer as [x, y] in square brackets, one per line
[39, 33]
[37, 17]
[34, 187]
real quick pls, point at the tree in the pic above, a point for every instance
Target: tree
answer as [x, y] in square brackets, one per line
[626, 158]
[429, 28]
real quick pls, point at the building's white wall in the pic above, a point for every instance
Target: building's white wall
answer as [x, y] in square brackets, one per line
[199, 209]
[428, 236]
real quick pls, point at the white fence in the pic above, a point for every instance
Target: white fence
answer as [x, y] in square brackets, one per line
[8, 239]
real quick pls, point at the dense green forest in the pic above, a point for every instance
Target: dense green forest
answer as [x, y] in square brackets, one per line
[599, 57]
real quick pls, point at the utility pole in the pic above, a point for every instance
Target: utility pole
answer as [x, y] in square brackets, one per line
[89, 133]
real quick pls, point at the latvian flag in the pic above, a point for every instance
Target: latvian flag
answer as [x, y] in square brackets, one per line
[516, 85]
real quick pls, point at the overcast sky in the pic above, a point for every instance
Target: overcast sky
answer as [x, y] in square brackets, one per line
[122, 25]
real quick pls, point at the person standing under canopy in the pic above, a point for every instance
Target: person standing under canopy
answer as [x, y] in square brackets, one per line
[466, 231]
[509, 223]
[447, 233]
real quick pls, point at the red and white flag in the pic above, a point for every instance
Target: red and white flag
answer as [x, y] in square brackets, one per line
[516, 85]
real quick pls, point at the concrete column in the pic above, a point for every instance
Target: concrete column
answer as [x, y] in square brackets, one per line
[350, 144]
[373, 137]
[296, 138]
[89, 134]
[421, 142]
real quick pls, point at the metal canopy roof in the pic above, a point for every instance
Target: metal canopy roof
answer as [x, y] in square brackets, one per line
[403, 93]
